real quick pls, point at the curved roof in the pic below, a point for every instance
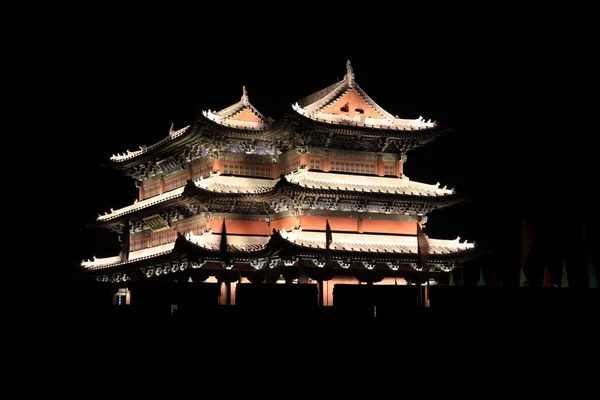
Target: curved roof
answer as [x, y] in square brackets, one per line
[373, 243]
[235, 184]
[343, 105]
[241, 115]
[143, 254]
[345, 102]
[139, 205]
[400, 186]
[394, 245]
[235, 243]
[221, 184]
[128, 155]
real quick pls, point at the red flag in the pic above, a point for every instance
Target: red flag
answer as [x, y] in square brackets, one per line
[422, 247]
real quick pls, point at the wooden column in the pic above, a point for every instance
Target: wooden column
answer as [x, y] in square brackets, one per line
[326, 163]
[141, 194]
[400, 165]
[359, 225]
[380, 167]
[125, 241]
[304, 159]
[161, 185]
[217, 165]
[399, 168]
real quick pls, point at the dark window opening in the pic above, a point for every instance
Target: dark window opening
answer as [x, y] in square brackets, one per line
[345, 108]
[359, 110]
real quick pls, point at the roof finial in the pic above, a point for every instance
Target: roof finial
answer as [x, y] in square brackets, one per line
[244, 95]
[349, 73]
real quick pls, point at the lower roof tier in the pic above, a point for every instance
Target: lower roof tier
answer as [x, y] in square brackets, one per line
[285, 247]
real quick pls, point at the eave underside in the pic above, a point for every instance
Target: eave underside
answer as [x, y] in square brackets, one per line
[278, 255]
[292, 130]
[286, 197]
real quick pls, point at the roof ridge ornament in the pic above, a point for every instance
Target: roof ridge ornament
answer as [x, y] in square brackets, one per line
[349, 74]
[244, 96]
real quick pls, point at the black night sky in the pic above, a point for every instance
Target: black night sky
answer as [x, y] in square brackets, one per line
[114, 87]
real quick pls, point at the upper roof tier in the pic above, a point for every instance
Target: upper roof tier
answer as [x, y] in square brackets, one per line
[345, 102]
[340, 109]
[128, 155]
[241, 115]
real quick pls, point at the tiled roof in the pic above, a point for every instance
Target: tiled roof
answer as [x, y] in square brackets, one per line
[215, 183]
[144, 254]
[235, 243]
[207, 240]
[309, 179]
[377, 184]
[236, 184]
[138, 205]
[345, 102]
[351, 242]
[173, 134]
[376, 243]
[242, 115]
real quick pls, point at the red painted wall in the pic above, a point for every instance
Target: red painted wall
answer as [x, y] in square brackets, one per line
[363, 226]
[391, 227]
[238, 227]
[287, 223]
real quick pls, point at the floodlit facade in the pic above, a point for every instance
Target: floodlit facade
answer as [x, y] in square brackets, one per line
[316, 195]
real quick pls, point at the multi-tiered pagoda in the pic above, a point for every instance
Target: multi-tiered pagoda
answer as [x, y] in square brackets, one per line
[317, 195]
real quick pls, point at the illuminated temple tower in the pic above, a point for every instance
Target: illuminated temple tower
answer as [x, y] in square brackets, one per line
[236, 196]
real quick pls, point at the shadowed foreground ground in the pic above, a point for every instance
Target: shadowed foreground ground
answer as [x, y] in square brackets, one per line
[200, 301]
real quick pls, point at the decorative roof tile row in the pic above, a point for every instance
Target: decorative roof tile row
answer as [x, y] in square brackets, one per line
[344, 104]
[360, 242]
[139, 205]
[242, 115]
[400, 186]
[144, 254]
[308, 179]
[128, 155]
[349, 242]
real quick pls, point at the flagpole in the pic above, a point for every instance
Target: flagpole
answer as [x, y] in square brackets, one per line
[328, 241]
[225, 260]
[422, 256]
